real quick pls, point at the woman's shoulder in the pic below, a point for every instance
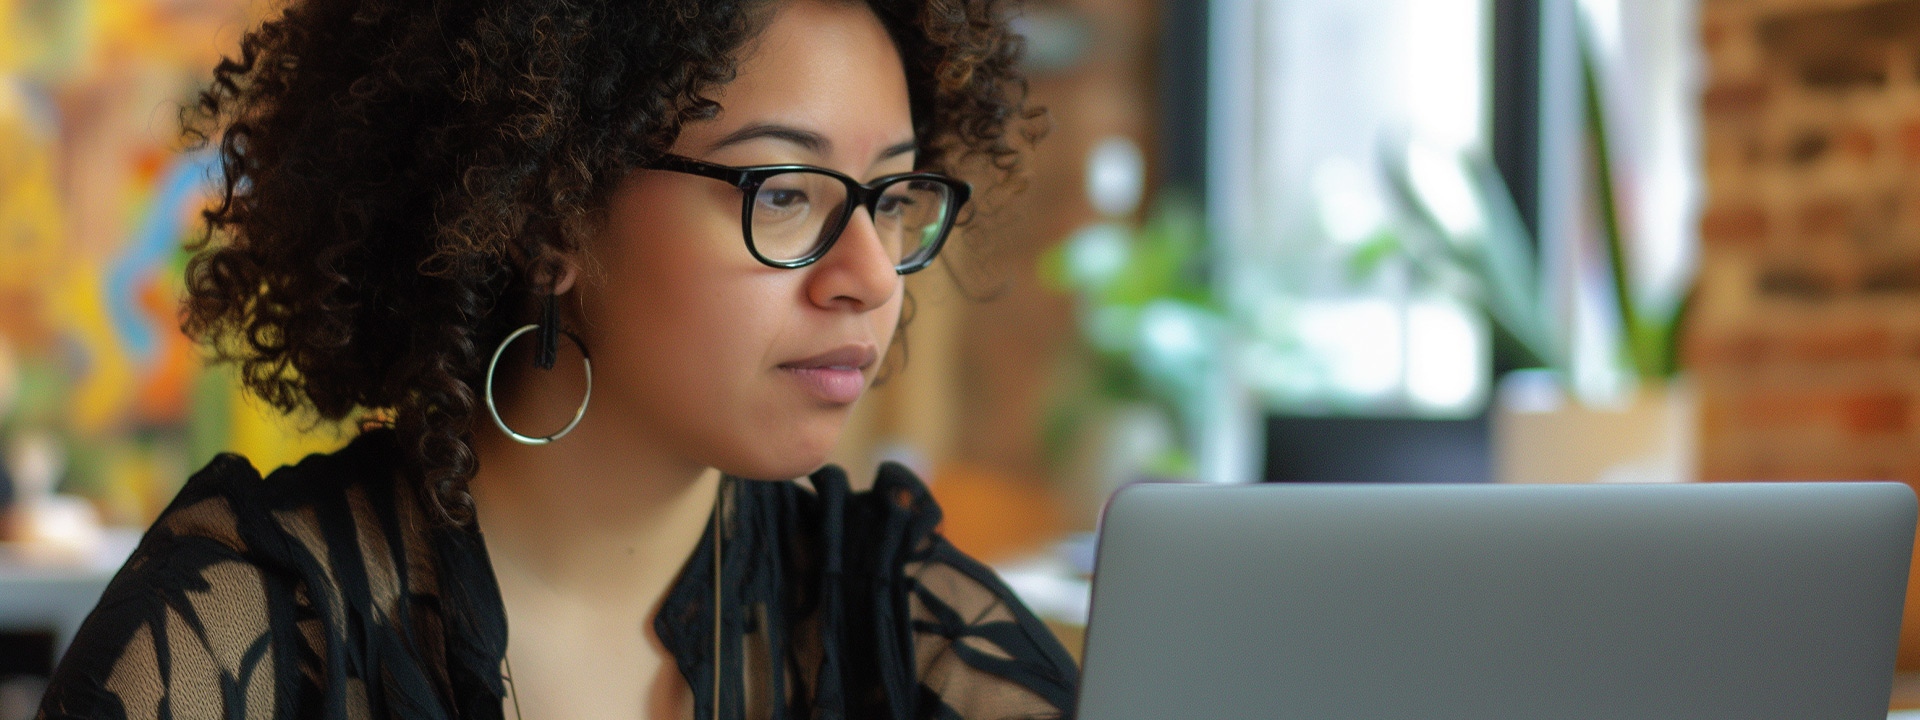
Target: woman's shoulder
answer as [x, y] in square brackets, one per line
[210, 593]
[332, 523]
[307, 525]
[228, 500]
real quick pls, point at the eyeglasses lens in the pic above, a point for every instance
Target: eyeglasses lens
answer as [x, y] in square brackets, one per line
[795, 213]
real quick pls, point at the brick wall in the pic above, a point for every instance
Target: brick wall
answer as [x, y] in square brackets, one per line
[1806, 341]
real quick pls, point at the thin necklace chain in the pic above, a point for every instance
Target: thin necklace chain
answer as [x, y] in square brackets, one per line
[718, 506]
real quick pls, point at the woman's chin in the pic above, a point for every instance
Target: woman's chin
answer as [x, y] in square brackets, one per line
[798, 461]
[775, 444]
[780, 473]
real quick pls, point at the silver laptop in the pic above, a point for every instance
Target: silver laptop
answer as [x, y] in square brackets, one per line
[1747, 601]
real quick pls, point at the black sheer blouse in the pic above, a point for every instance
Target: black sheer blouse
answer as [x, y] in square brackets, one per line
[325, 592]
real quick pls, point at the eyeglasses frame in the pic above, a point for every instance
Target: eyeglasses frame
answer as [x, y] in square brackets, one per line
[749, 179]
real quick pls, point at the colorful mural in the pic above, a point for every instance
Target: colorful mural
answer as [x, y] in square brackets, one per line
[97, 199]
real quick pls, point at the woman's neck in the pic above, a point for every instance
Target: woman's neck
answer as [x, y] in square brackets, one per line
[595, 519]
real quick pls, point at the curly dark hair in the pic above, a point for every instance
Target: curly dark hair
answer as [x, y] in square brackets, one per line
[399, 173]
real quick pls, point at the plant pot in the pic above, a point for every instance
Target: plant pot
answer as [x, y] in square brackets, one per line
[1540, 435]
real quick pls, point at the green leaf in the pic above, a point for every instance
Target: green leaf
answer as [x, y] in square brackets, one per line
[1372, 253]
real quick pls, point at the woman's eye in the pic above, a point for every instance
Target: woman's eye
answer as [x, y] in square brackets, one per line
[782, 201]
[894, 205]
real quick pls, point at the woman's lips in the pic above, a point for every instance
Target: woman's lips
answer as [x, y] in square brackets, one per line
[836, 385]
[837, 376]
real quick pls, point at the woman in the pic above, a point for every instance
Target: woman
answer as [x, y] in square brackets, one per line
[438, 211]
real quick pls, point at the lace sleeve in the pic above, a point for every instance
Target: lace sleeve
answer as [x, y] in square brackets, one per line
[979, 651]
[183, 631]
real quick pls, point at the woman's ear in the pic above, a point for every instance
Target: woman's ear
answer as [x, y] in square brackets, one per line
[569, 271]
[555, 273]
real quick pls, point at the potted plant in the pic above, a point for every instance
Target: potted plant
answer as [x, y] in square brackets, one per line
[1465, 233]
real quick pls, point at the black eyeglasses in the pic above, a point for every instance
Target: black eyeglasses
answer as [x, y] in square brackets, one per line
[792, 214]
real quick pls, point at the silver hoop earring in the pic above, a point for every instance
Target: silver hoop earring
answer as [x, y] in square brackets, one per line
[577, 414]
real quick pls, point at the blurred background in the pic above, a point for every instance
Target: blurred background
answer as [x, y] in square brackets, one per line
[1266, 240]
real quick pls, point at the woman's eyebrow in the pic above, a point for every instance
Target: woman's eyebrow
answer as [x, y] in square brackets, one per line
[811, 141]
[898, 149]
[808, 140]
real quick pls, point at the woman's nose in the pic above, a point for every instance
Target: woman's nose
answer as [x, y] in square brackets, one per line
[857, 270]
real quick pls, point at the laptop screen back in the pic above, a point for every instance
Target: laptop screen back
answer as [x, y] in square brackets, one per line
[1746, 601]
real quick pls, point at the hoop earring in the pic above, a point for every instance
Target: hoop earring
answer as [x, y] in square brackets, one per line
[549, 341]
